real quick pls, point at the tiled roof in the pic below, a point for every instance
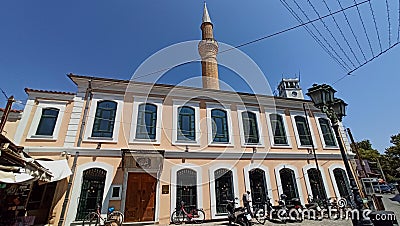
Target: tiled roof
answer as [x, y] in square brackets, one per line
[47, 91]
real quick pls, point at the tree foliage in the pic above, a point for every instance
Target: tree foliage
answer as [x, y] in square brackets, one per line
[390, 160]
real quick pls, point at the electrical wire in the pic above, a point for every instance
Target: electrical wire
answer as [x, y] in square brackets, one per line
[365, 30]
[330, 32]
[341, 32]
[294, 14]
[319, 33]
[373, 58]
[376, 27]
[351, 29]
[388, 19]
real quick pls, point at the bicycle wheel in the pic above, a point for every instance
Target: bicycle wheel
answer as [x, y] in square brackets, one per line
[92, 219]
[260, 215]
[177, 217]
[198, 216]
[116, 217]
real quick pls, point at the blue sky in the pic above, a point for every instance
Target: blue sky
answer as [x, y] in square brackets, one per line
[42, 42]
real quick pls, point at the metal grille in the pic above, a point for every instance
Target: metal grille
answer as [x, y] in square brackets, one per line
[91, 192]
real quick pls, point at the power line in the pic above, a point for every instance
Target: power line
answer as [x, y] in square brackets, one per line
[287, 6]
[373, 58]
[4, 93]
[256, 40]
[363, 25]
[376, 27]
[330, 32]
[398, 29]
[341, 32]
[388, 18]
[326, 41]
[351, 29]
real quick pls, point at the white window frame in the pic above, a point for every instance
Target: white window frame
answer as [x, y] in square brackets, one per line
[119, 194]
[271, 133]
[256, 111]
[92, 115]
[252, 166]
[235, 177]
[196, 107]
[307, 179]
[317, 117]
[199, 183]
[227, 109]
[137, 102]
[296, 132]
[296, 175]
[333, 179]
[60, 105]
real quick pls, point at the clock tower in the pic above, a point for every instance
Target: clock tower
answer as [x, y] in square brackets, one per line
[290, 88]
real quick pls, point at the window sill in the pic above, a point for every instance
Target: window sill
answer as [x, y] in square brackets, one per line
[286, 146]
[249, 145]
[220, 144]
[100, 140]
[184, 143]
[41, 137]
[144, 141]
[331, 148]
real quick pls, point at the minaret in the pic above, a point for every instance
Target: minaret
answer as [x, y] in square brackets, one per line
[208, 49]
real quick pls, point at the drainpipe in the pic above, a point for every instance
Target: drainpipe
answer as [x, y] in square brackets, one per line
[88, 98]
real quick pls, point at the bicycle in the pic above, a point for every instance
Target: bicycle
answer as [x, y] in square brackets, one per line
[114, 218]
[180, 215]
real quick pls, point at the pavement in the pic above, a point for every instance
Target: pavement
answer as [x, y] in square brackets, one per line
[389, 205]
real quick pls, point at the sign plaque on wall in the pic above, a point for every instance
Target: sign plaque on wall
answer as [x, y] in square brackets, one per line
[165, 189]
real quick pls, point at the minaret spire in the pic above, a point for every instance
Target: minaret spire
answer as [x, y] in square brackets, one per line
[206, 16]
[208, 50]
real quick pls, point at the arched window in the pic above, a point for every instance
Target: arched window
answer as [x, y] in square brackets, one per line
[219, 126]
[91, 191]
[317, 184]
[250, 128]
[47, 121]
[288, 182]
[146, 122]
[186, 188]
[302, 129]
[342, 183]
[105, 118]
[278, 129]
[223, 189]
[327, 132]
[258, 185]
[186, 124]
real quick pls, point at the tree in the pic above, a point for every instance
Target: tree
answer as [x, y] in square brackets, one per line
[392, 155]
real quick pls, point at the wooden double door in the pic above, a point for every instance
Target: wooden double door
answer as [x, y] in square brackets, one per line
[140, 197]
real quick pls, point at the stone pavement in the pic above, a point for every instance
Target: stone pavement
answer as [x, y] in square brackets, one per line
[389, 205]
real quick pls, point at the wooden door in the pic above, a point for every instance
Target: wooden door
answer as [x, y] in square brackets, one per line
[140, 197]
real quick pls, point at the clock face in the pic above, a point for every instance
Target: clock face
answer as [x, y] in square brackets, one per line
[294, 94]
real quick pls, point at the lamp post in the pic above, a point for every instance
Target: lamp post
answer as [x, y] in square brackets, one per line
[323, 98]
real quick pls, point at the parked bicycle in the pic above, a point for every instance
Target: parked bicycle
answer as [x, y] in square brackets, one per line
[114, 218]
[181, 215]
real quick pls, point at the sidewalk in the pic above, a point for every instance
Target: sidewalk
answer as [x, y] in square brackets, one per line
[305, 222]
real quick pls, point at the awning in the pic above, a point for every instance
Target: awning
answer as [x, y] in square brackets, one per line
[58, 168]
[12, 177]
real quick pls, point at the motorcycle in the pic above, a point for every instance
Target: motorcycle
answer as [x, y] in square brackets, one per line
[237, 215]
[314, 208]
[295, 209]
[279, 212]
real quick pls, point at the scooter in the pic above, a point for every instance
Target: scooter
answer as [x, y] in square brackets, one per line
[295, 209]
[314, 208]
[279, 212]
[237, 215]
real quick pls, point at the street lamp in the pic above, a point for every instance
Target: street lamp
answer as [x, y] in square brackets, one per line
[323, 98]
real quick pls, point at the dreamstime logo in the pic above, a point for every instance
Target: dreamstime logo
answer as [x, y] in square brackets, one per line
[144, 87]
